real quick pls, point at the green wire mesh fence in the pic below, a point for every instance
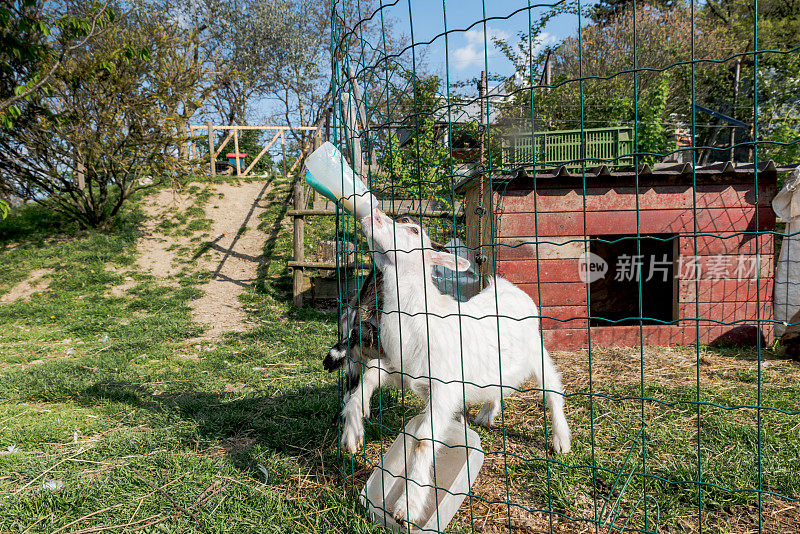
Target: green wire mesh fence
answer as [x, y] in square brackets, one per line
[618, 163]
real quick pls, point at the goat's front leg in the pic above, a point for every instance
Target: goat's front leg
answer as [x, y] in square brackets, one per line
[356, 405]
[443, 403]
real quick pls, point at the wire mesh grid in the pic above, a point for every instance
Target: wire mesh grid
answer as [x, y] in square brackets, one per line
[672, 430]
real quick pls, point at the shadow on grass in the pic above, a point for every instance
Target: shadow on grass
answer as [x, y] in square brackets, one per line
[294, 423]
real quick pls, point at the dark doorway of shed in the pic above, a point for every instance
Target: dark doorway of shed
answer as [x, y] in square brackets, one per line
[614, 299]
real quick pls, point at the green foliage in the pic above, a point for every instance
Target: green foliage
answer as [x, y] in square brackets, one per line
[605, 11]
[3, 208]
[655, 138]
[118, 127]
[38, 36]
[420, 168]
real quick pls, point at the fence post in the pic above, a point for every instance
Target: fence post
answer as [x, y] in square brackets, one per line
[299, 245]
[211, 157]
[236, 149]
[283, 151]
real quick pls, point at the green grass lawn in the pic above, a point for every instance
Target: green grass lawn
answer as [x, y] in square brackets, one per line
[112, 419]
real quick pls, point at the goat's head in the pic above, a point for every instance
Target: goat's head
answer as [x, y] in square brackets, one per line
[402, 245]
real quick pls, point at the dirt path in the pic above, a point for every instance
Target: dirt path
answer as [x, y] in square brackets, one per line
[233, 258]
[35, 282]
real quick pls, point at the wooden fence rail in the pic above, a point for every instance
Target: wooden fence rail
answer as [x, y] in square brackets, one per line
[233, 134]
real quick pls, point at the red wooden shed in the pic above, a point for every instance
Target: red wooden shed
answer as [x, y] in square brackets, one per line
[697, 241]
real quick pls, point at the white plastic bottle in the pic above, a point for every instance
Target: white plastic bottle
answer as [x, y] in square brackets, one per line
[330, 174]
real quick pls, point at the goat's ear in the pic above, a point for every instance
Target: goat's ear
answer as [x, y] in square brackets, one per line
[449, 260]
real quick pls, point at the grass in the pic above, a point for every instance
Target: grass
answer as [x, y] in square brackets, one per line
[148, 429]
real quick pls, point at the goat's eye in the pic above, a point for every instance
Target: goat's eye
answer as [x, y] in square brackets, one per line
[413, 230]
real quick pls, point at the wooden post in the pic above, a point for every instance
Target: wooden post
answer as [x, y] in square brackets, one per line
[351, 134]
[736, 72]
[236, 149]
[283, 150]
[481, 97]
[299, 245]
[211, 157]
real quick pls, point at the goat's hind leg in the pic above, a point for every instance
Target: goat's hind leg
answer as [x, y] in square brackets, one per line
[553, 393]
[489, 411]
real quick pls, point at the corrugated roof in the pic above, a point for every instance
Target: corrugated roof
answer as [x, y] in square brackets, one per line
[678, 172]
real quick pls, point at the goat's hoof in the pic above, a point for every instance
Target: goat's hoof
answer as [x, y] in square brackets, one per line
[483, 420]
[352, 438]
[398, 517]
[414, 510]
[562, 444]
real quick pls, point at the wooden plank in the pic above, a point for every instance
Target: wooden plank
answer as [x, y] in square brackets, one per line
[725, 290]
[624, 198]
[326, 266]
[722, 266]
[727, 243]
[564, 317]
[222, 146]
[556, 293]
[523, 248]
[260, 154]
[625, 222]
[726, 312]
[525, 271]
[566, 339]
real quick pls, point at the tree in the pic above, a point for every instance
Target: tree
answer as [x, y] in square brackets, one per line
[420, 166]
[34, 42]
[656, 100]
[605, 11]
[28, 33]
[773, 101]
[112, 132]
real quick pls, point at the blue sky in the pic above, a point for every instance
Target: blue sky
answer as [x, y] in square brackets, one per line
[467, 53]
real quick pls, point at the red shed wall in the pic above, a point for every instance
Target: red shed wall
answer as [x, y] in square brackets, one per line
[556, 219]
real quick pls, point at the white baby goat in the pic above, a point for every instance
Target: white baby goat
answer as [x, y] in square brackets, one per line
[420, 328]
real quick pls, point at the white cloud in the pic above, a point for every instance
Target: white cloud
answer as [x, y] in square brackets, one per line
[473, 53]
[545, 39]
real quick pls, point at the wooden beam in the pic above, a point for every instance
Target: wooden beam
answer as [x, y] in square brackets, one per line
[236, 150]
[237, 127]
[298, 254]
[211, 155]
[433, 214]
[323, 265]
[222, 146]
[263, 150]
